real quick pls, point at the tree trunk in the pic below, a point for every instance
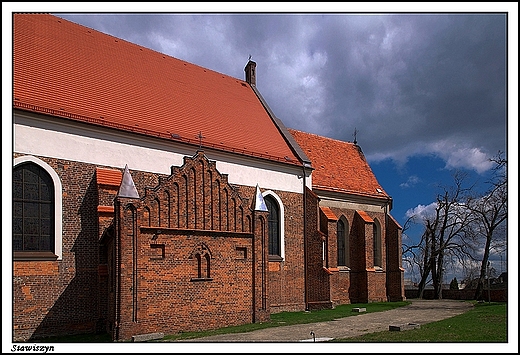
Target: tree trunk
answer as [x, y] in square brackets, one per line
[426, 263]
[483, 268]
[422, 283]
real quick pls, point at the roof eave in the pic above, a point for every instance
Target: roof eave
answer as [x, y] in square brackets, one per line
[145, 133]
[383, 198]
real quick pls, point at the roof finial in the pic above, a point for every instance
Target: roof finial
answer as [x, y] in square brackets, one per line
[259, 200]
[249, 57]
[200, 137]
[127, 187]
[355, 135]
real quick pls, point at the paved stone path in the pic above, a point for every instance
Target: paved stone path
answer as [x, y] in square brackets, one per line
[418, 312]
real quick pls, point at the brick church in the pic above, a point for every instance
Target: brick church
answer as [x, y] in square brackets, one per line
[154, 195]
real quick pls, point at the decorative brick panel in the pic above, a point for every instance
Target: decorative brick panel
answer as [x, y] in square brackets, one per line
[197, 221]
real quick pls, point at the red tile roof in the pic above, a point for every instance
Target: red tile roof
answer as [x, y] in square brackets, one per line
[108, 177]
[339, 166]
[365, 216]
[71, 71]
[105, 209]
[328, 213]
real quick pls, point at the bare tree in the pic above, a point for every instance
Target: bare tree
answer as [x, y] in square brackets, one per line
[411, 252]
[443, 234]
[490, 212]
[460, 226]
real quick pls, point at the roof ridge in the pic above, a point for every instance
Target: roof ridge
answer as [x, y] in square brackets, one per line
[321, 136]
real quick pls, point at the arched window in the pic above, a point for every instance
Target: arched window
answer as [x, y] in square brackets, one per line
[377, 244]
[203, 259]
[36, 210]
[343, 242]
[203, 266]
[273, 221]
[340, 232]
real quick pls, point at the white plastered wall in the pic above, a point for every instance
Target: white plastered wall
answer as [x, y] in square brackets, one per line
[76, 143]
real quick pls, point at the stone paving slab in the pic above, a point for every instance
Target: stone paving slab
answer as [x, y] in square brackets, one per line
[401, 327]
[418, 312]
[147, 337]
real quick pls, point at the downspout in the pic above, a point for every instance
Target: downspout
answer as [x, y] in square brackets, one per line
[387, 202]
[134, 267]
[259, 206]
[305, 256]
[386, 219]
[253, 257]
[117, 257]
[264, 276]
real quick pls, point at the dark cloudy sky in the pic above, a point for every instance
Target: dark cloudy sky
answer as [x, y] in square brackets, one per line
[425, 87]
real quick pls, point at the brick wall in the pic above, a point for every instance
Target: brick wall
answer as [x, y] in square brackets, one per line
[78, 293]
[191, 255]
[395, 271]
[318, 283]
[361, 281]
[340, 279]
[60, 297]
[286, 277]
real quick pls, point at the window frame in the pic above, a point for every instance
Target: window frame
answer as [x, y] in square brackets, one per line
[58, 213]
[281, 224]
[203, 261]
[346, 243]
[377, 244]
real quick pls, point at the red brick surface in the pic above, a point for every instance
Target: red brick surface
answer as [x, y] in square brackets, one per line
[195, 209]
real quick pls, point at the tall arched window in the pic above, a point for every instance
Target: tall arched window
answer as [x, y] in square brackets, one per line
[33, 209]
[377, 244]
[37, 210]
[273, 221]
[340, 232]
[343, 242]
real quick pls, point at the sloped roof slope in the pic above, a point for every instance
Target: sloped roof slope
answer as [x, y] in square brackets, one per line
[67, 70]
[339, 166]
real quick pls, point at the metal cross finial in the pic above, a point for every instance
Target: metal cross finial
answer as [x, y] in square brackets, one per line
[200, 137]
[355, 135]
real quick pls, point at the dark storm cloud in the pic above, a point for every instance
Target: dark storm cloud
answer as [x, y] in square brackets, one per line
[408, 83]
[411, 81]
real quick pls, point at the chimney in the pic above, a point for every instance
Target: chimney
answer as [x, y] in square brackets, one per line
[250, 73]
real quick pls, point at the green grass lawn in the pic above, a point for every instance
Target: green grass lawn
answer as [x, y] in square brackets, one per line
[277, 320]
[486, 322]
[290, 318]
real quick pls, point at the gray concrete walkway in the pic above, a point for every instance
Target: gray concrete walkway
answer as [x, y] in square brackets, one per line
[418, 312]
